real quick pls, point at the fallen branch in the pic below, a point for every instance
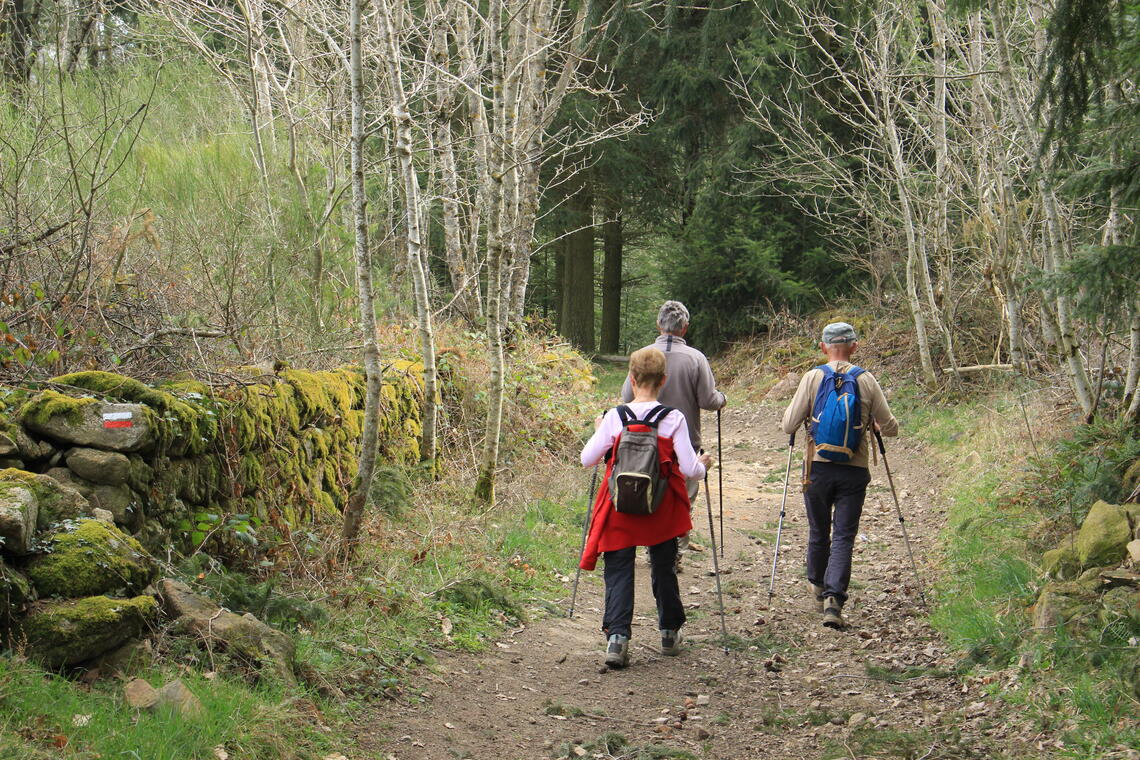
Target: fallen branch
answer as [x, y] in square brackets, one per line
[979, 368]
[190, 332]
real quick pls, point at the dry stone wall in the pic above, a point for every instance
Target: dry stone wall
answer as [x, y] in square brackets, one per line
[99, 471]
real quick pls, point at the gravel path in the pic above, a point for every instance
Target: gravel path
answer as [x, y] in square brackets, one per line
[789, 688]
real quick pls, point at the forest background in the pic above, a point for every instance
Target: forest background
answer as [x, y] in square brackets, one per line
[188, 186]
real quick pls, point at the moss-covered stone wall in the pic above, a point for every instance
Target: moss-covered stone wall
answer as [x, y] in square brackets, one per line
[283, 447]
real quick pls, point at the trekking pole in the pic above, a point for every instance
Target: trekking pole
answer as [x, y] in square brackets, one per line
[780, 524]
[716, 565]
[902, 522]
[582, 548]
[720, 482]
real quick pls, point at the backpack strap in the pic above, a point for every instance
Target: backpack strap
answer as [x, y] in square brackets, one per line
[656, 414]
[626, 415]
[854, 372]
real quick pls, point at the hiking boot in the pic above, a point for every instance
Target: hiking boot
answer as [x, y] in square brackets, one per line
[617, 651]
[695, 547]
[817, 595]
[833, 613]
[670, 642]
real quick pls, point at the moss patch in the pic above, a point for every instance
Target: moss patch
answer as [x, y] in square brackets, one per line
[88, 557]
[66, 633]
[50, 404]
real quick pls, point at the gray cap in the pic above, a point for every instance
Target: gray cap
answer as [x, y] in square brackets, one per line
[839, 332]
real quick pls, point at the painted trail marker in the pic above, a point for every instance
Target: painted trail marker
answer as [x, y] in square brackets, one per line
[118, 419]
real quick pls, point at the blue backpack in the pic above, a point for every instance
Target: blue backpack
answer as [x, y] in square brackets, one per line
[836, 417]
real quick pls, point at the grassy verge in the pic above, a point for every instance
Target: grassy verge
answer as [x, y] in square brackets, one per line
[1011, 494]
[47, 716]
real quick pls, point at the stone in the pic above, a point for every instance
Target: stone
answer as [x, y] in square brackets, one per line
[103, 516]
[89, 557]
[120, 501]
[70, 632]
[106, 467]
[140, 695]
[11, 462]
[243, 635]
[1103, 535]
[55, 501]
[8, 447]
[1122, 602]
[70, 479]
[89, 422]
[31, 449]
[15, 593]
[1059, 603]
[856, 719]
[1061, 563]
[177, 696]
[19, 513]
[784, 389]
[130, 658]
[1133, 549]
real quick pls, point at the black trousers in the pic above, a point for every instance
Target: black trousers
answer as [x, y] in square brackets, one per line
[834, 502]
[618, 616]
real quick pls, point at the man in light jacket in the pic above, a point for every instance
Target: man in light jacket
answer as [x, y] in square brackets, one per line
[834, 496]
[689, 385]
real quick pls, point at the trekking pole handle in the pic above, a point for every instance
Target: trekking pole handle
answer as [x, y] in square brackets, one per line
[879, 438]
[792, 441]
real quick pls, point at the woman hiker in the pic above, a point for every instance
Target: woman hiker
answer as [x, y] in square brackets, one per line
[616, 535]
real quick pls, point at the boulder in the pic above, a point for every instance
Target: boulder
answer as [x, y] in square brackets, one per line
[89, 557]
[1103, 535]
[8, 447]
[19, 513]
[70, 632]
[1061, 563]
[55, 501]
[242, 635]
[1061, 602]
[31, 449]
[89, 422]
[130, 658]
[15, 594]
[784, 389]
[106, 467]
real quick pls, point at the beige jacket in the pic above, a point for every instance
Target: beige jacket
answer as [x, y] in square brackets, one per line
[873, 405]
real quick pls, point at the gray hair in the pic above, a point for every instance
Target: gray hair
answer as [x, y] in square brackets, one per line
[673, 317]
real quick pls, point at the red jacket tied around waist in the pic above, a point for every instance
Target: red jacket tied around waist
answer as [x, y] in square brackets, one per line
[611, 530]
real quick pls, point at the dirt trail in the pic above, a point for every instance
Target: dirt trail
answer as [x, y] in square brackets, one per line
[789, 688]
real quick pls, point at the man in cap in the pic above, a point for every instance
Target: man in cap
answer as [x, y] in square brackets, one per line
[833, 491]
[689, 386]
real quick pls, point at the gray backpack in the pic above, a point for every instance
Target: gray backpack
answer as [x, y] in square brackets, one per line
[636, 482]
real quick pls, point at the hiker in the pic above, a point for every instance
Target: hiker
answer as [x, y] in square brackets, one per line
[616, 534]
[691, 388]
[834, 489]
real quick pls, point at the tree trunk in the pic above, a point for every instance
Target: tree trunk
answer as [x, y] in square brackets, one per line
[416, 249]
[611, 280]
[15, 31]
[358, 498]
[578, 287]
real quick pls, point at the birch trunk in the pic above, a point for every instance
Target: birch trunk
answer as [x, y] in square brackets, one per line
[488, 468]
[358, 498]
[913, 259]
[415, 248]
[1054, 245]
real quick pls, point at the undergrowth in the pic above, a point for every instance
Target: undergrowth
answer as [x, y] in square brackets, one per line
[1020, 480]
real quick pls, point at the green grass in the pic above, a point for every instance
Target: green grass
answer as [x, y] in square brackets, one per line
[611, 377]
[614, 744]
[46, 716]
[1077, 680]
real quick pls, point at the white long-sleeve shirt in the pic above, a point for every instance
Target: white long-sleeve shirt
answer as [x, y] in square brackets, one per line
[672, 426]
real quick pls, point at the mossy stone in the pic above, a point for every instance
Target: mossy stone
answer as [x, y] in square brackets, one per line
[55, 500]
[1062, 602]
[1104, 535]
[89, 557]
[80, 422]
[70, 632]
[1061, 563]
[19, 510]
[107, 467]
[15, 593]
[8, 447]
[1120, 602]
